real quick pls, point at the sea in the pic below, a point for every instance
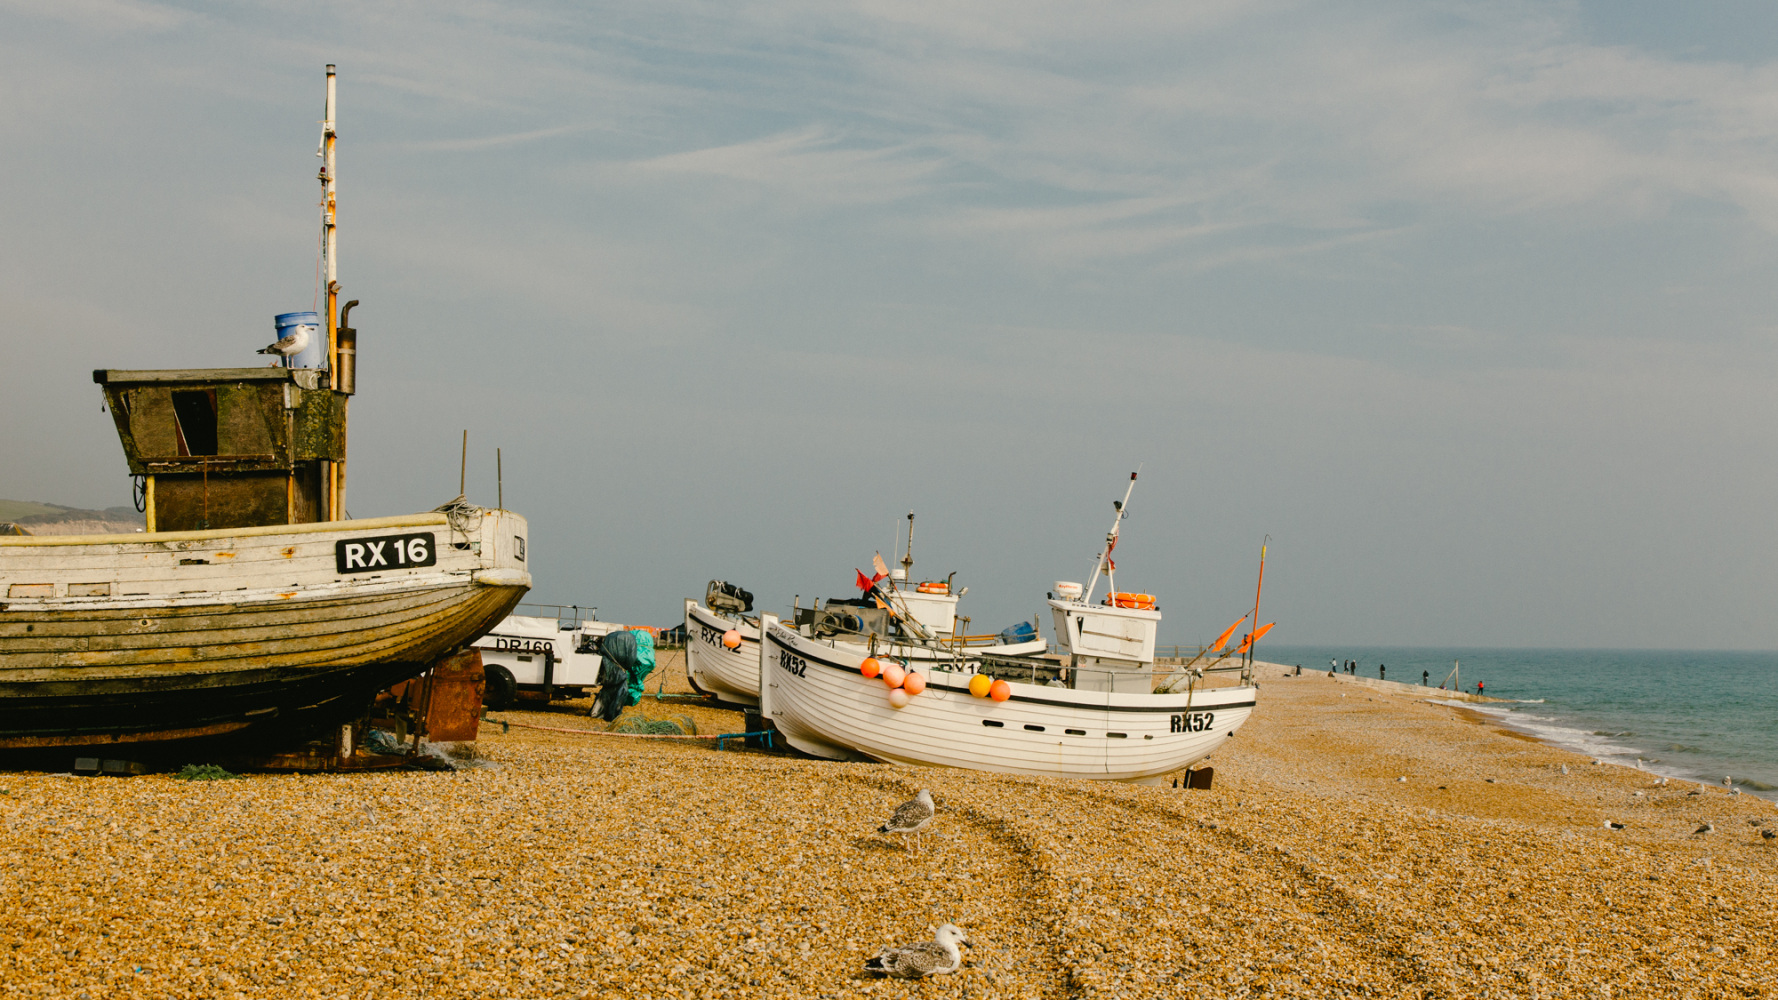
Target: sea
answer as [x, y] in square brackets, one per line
[1699, 716]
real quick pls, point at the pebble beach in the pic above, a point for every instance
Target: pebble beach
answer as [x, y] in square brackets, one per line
[1357, 842]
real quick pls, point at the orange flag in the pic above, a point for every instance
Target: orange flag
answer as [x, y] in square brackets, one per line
[1223, 639]
[1247, 641]
[876, 563]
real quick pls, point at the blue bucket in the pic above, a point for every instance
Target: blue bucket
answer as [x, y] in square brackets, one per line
[315, 354]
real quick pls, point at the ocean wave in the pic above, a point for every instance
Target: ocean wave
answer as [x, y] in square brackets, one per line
[1597, 743]
[1756, 785]
[1529, 701]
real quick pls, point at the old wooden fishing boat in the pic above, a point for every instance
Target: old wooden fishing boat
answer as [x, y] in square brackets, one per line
[251, 602]
[175, 634]
[1098, 716]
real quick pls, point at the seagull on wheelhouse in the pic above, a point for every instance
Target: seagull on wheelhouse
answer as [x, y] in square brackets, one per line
[296, 343]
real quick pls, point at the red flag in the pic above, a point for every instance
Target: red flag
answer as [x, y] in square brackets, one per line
[1223, 639]
[865, 583]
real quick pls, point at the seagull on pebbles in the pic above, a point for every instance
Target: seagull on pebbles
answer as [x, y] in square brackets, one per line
[1706, 828]
[911, 816]
[937, 957]
[1613, 825]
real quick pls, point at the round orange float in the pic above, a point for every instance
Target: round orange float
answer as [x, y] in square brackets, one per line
[979, 685]
[1000, 691]
[913, 683]
[732, 638]
[870, 667]
[893, 675]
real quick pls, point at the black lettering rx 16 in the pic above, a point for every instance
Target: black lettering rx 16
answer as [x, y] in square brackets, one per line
[383, 553]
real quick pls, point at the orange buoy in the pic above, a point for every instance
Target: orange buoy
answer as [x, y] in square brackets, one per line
[1123, 599]
[1000, 691]
[979, 685]
[898, 698]
[893, 675]
[870, 667]
[913, 683]
[732, 638]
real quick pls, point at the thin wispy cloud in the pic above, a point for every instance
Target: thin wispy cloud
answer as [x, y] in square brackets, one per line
[809, 166]
[111, 16]
[490, 141]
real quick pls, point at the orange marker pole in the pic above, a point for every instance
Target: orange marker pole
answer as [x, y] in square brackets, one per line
[1256, 591]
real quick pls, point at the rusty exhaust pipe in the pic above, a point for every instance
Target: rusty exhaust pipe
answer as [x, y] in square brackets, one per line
[346, 344]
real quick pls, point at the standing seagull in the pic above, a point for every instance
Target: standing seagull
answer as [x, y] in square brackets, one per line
[296, 343]
[911, 816]
[937, 957]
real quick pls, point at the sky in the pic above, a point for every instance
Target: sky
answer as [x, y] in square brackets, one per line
[1466, 307]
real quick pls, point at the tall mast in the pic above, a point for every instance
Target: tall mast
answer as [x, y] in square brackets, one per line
[907, 557]
[1257, 587]
[1102, 564]
[329, 234]
[336, 485]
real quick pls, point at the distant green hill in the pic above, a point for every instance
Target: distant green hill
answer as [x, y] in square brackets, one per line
[30, 512]
[12, 510]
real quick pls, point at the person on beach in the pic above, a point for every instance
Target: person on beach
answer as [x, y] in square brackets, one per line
[1426, 677]
[1478, 687]
[1380, 671]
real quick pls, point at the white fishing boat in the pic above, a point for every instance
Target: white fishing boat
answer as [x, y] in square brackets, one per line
[915, 622]
[548, 656]
[1099, 716]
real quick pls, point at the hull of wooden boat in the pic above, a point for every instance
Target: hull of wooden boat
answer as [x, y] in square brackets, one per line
[822, 705]
[165, 636]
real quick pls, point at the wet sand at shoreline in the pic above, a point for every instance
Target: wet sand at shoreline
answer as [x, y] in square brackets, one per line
[601, 866]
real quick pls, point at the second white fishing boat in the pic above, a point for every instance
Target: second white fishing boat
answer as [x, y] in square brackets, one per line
[1097, 717]
[897, 618]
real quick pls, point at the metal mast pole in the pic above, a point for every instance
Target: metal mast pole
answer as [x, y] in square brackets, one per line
[907, 557]
[336, 488]
[329, 237]
[1110, 541]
